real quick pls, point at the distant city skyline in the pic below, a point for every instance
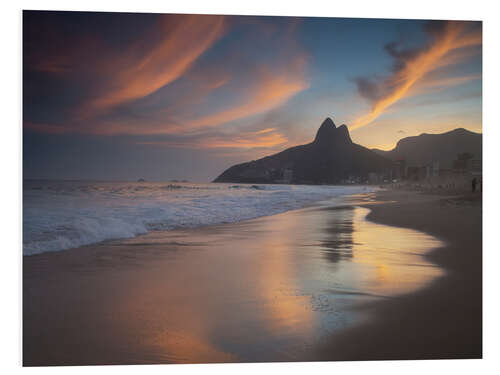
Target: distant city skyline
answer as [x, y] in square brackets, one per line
[122, 96]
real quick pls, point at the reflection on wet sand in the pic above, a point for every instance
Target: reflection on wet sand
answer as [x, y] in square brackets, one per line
[392, 257]
[340, 227]
[269, 289]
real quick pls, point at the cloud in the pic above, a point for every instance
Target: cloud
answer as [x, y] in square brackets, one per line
[449, 42]
[171, 78]
[270, 90]
[267, 91]
[138, 73]
[443, 82]
[368, 88]
[264, 138]
[46, 128]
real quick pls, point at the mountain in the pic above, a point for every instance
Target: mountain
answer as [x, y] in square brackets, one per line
[331, 158]
[444, 147]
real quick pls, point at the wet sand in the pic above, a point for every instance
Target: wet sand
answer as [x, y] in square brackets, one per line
[443, 320]
[321, 283]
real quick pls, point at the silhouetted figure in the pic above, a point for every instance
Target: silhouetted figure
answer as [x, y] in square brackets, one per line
[474, 183]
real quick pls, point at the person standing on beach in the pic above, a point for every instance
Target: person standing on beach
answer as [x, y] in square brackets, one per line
[474, 182]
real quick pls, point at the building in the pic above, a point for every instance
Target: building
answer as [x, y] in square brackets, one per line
[374, 178]
[287, 176]
[432, 169]
[475, 167]
[399, 170]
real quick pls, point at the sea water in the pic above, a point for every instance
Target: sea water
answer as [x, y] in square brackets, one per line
[59, 215]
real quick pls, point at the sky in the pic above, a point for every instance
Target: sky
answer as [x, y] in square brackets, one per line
[123, 96]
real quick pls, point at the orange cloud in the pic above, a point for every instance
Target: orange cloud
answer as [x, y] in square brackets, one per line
[258, 139]
[227, 87]
[46, 128]
[169, 59]
[271, 91]
[263, 138]
[443, 51]
[444, 82]
[54, 64]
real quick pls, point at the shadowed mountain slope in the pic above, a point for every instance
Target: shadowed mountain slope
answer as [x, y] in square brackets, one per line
[425, 148]
[331, 158]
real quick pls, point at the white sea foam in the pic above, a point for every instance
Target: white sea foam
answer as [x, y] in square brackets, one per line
[64, 215]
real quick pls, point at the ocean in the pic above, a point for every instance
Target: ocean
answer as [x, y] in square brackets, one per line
[60, 215]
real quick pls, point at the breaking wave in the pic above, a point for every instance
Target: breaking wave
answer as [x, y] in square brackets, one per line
[64, 215]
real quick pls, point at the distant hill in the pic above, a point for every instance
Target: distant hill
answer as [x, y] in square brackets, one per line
[331, 158]
[425, 148]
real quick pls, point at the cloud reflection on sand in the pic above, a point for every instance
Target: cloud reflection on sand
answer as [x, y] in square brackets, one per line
[272, 288]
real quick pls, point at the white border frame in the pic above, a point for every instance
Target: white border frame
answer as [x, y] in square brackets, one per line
[11, 186]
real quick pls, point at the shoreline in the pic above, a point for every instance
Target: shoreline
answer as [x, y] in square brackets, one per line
[105, 261]
[442, 320]
[173, 214]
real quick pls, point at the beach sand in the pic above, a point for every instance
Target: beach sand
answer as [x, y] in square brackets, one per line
[443, 320]
[321, 283]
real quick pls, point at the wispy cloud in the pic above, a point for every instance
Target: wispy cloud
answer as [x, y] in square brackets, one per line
[269, 90]
[449, 44]
[438, 83]
[139, 74]
[219, 90]
[46, 128]
[264, 138]
[266, 91]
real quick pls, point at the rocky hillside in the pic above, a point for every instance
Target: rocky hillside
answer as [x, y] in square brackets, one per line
[331, 158]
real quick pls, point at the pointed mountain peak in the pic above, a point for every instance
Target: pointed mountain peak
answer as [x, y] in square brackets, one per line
[329, 134]
[326, 130]
[328, 123]
[343, 133]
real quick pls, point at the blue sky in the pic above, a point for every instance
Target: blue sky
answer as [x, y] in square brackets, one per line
[123, 96]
